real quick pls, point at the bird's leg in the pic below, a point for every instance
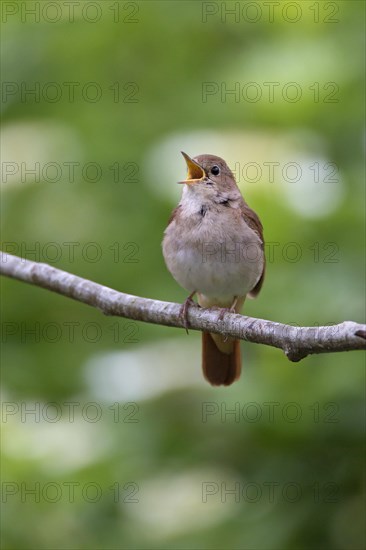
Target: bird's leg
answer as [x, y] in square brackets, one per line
[234, 304]
[231, 309]
[224, 310]
[184, 309]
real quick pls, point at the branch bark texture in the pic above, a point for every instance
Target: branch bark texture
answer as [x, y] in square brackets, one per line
[296, 342]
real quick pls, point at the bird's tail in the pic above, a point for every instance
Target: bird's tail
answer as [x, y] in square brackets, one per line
[221, 360]
[221, 365]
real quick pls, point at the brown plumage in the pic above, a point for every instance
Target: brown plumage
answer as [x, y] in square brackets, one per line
[208, 247]
[219, 368]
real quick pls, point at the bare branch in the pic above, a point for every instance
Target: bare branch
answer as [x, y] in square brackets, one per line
[296, 342]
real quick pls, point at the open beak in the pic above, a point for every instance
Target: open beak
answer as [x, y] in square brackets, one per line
[195, 172]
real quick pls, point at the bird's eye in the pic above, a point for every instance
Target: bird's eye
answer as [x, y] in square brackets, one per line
[215, 170]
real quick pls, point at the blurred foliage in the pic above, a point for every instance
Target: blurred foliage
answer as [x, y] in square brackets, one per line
[170, 451]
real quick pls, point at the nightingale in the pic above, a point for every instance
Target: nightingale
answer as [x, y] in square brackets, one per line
[214, 247]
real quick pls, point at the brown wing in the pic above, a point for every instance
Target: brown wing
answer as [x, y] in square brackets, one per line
[254, 223]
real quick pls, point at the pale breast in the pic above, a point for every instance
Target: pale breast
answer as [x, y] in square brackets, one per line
[216, 255]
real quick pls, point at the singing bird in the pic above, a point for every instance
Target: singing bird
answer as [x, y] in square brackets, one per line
[214, 247]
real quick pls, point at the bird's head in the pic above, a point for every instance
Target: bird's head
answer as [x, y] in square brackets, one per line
[208, 175]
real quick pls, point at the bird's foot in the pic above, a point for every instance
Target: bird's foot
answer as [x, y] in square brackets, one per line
[224, 310]
[183, 314]
[222, 313]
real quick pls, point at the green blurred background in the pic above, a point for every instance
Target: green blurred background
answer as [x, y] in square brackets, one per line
[121, 412]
